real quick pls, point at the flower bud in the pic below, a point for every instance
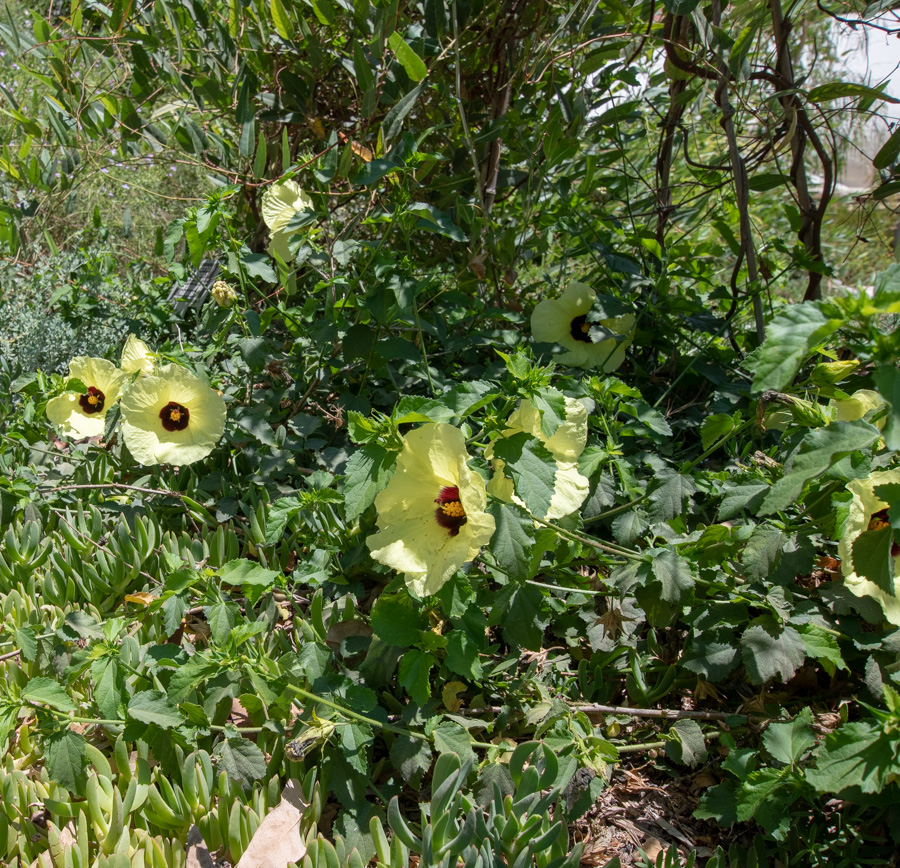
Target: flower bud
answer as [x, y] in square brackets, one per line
[829, 373]
[224, 294]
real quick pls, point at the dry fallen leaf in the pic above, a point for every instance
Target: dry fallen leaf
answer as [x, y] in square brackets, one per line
[278, 840]
[141, 597]
[198, 855]
[652, 847]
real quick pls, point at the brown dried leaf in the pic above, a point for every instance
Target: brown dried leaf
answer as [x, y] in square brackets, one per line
[278, 840]
[141, 597]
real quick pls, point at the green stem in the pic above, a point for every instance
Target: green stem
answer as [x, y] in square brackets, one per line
[357, 716]
[568, 590]
[606, 547]
[723, 439]
[639, 500]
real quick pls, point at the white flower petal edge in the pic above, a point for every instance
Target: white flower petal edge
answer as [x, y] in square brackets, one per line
[566, 445]
[410, 540]
[279, 205]
[66, 411]
[136, 357]
[142, 428]
[864, 505]
[551, 322]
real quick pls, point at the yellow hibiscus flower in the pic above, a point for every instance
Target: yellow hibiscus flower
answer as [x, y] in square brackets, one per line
[85, 415]
[566, 444]
[564, 321]
[868, 512]
[172, 417]
[431, 516]
[280, 203]
[136, 357]
[856, 406]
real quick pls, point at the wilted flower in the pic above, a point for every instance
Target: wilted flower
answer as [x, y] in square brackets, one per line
[857, 405]
[136, 357]
[172, 417]
[564, 321]
[431, 515]
[869, 512]
[223, 294]
[84, 415]
[565, 445]
[280, 203]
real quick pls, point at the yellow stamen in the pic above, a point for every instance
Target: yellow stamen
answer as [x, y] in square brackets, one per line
[175, 415]
[585, 328]
[453, 508]
[93, 400]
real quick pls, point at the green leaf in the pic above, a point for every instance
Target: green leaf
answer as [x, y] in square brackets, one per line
[367, 472]
[282, 20]
[718, 803]
[628, 526]
[153, 706]
[872, 557]
[393, 120]
[355, 740]
[858, 754]
[462, 655]
[241, 760]
[789, 742]
[762, 552]
[513, 540]
[437, 221]
[410, 61]
[761, 791]
[451, 737]
[109, 687]
[532, 468]
[85, 625]
[48, 691]
[713, 656]
[685, 743]
[396, 621]
[374, 171]
[770, 651]
[841, 89]
[258, 265]
[887, 379]
[681, 7]
[412, 757]
[415, 669]
[524, 617]
[667, 499]
[668, 584]
[742, 497]
[822, 646]
[27, 642]
[244, 572]
[715, 427]
[674, 574]
[818, 450]
[790, 339]
[888, 152]
[67, 762]
[220, 617]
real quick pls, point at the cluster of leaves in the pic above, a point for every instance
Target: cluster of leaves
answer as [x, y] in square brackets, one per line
[226, 621]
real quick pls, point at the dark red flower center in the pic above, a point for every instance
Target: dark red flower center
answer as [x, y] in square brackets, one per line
[450, 513]
[580, 329]
[174, 416]
[93, 401]
[879, 521]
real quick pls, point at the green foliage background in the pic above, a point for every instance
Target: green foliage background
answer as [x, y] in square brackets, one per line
[178, 642]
